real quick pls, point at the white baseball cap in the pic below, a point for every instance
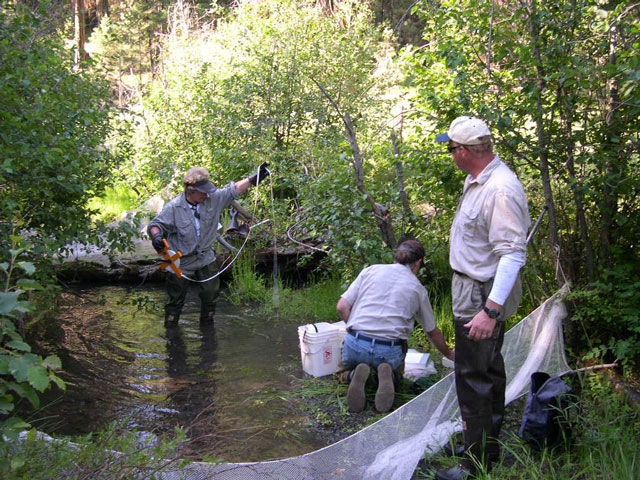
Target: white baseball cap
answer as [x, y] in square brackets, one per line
[466, 130]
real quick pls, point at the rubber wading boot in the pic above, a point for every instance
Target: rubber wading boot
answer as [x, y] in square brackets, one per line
[475, 430]
[207, 314]
[355, 393]
[386, 392]
[171, 319]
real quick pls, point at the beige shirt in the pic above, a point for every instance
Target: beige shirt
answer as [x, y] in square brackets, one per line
[385, 299]
[492, 220]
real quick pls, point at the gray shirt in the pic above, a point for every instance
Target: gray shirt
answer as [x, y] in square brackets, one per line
[385, 299]
[492, 220]
[178, 225]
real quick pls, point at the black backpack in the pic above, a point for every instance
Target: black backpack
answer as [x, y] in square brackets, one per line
[545, 421]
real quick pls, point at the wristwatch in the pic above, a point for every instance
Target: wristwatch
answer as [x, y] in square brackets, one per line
[491, 312]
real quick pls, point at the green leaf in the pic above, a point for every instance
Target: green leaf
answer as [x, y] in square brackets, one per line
[25, 391]
[28, 267]
[58, 381]
[38, 377]
[19, 345]
[52, 362]
[17, 461]
[16, 423]
[19, 367]
[6, 404]
[27, 284]
[8, 302]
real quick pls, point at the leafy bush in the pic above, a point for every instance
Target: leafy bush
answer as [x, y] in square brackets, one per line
[22, 374]
[609, 310]
[54, 126]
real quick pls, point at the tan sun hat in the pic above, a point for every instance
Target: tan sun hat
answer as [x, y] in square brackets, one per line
[198, 178]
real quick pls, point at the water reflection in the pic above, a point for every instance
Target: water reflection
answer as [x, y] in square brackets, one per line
[121, 362]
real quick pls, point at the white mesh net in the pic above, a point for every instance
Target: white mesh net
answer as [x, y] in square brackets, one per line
[392, 447]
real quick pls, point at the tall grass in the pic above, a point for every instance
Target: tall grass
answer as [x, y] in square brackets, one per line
[247, 285]
[441, 304]
[114, 453]
[317, 301]
[114, 202]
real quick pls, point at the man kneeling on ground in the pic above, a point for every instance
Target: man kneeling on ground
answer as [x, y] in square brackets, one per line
[379, 309]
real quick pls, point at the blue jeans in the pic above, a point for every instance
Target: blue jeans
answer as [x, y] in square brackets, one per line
[355, 351]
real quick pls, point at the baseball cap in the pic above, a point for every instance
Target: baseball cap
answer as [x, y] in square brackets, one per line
[466, 130]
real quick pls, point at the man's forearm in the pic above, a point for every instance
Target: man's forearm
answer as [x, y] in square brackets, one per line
[437, 339]
[242, 186]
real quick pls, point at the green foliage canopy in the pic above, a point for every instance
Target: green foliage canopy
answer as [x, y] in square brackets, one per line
[53, 126]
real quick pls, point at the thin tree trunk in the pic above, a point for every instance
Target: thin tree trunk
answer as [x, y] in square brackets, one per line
[404, 199]
[80, 21]
[577, 198]
[612, 168]
[534, 29]
[380, 213]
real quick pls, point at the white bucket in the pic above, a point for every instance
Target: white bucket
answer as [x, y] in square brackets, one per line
[321, 347]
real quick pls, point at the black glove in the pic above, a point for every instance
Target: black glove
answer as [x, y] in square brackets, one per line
[260, 175]
[157, 243]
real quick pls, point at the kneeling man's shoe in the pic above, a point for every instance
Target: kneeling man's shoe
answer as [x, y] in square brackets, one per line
[455, 473]
[355, 394]
[386, 392]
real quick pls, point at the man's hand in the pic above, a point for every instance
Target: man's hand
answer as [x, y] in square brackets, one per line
[157, 243]
[481, 326]
[260, 175]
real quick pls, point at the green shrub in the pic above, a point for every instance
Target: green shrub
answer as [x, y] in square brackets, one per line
[22, 374]
[609, 310]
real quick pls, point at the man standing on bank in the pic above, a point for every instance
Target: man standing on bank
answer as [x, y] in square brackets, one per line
[487, 250]
[378, 308]
[189, 222]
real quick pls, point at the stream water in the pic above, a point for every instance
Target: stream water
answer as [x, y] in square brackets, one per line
[221, 381]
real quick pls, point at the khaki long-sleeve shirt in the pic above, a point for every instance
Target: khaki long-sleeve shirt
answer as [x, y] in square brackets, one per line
[492, 220]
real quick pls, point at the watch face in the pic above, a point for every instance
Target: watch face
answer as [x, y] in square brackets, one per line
[492, 312]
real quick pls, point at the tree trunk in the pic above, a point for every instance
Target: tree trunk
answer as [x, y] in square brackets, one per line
[80, 21]
[380, 213]
[543, 152]
[404, 199]
[577, 198]
[613, 162]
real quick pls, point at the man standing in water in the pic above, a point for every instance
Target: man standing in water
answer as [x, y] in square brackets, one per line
[487, 249]
[189, 222]
[378, 308]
